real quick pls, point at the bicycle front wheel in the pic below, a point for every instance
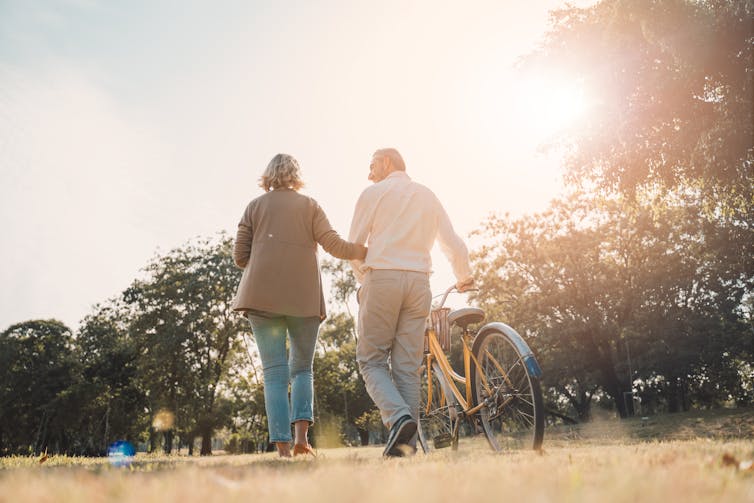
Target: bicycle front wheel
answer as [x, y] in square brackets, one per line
[513, 415]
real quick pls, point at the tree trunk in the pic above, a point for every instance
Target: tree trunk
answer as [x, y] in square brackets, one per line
[364, 436]
[584, 411]
[612, 385]
[600, 353]
[685, 401]
[673, 403]
[677, 396]
[191, 445]
[152, 440]
[206, 442]
[107, 426]
[581, 403]
[168, 445]
[41, 441]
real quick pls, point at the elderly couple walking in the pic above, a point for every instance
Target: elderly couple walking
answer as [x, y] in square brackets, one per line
[281, 291]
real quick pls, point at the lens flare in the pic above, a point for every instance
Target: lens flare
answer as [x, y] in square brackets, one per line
[121, 453]
[163, 420]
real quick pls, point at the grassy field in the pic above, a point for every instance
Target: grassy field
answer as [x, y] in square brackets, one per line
[682, 457]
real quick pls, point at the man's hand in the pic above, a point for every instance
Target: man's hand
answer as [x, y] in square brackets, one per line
[464, 285]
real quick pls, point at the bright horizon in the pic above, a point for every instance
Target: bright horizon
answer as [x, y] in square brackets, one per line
[126, 131]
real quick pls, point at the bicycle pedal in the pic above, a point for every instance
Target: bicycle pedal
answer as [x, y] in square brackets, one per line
[441, 441]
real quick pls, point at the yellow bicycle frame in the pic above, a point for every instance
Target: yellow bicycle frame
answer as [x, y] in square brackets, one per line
[436, 352]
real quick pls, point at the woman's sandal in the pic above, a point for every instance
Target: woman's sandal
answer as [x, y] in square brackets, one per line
[303, 449]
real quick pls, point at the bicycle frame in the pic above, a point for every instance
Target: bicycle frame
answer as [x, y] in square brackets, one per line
[449, 376]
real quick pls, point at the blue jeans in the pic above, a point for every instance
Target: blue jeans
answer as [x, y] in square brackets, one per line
[271, 332]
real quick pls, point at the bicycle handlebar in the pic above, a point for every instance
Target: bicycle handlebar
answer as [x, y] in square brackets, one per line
[449, 290]
[445, 295]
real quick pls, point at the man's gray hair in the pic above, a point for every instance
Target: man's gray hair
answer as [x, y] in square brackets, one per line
[394, 156]
[283, 172]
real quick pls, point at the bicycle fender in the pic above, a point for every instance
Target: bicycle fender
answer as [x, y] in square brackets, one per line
[521, 346]
[449, 396]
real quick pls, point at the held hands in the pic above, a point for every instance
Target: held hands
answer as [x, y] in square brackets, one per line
[465, 285]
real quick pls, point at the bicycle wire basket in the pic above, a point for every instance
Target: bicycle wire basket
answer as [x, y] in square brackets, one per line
[439, 320]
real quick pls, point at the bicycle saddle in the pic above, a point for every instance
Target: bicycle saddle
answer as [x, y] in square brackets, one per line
[465, 316]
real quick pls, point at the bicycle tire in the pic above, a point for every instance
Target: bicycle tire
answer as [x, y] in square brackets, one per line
[514, 418]
[435, 426]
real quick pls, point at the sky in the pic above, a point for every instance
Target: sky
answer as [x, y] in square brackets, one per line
[129, 128]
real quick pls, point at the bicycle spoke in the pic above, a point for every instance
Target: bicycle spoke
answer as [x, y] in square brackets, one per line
[511, 412]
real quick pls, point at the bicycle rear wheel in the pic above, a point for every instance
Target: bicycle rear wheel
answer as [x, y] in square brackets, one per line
[513, 417]
[436, 412]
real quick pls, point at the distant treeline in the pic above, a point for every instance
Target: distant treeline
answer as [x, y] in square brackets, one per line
[164, 364]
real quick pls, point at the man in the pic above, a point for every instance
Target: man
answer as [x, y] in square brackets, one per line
[400, 219]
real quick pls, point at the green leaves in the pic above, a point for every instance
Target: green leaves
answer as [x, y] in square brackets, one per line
[187, 332]
[670, 89]
[639, 279]
[36, 368]
[613, 292]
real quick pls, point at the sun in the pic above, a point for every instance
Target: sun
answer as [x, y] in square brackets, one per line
[547, 108]
[528, 110]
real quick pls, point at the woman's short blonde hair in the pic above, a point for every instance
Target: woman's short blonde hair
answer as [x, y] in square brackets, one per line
[283, 172]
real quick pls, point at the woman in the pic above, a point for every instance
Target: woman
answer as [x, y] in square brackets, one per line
[281, 293]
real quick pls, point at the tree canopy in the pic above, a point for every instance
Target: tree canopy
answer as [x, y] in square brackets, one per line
[639, 280]
[670, 88]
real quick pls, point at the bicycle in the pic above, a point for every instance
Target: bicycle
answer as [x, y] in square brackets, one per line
[501, 384]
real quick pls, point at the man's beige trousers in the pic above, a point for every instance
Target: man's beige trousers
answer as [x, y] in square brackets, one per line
[393, 310]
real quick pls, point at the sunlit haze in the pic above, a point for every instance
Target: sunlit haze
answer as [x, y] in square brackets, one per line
[127, 128]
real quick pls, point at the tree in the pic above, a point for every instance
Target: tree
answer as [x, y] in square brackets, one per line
[612, 290]
[187, 334]
[37, 368]
[671, 84]
[248, 418]
[112, 398]
[342, 289]
[651, 262]
[339, 388]
[245, 389]
[671, 89]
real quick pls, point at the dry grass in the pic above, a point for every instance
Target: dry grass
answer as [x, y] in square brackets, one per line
[699, 460]
[720, 424]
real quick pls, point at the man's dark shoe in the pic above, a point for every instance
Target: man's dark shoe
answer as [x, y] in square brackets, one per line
[400, 435]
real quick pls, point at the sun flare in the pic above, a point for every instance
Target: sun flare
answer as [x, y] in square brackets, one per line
[528, 110]
[546, 108]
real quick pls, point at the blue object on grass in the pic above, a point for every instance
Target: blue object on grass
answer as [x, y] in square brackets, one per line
[121, 453]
